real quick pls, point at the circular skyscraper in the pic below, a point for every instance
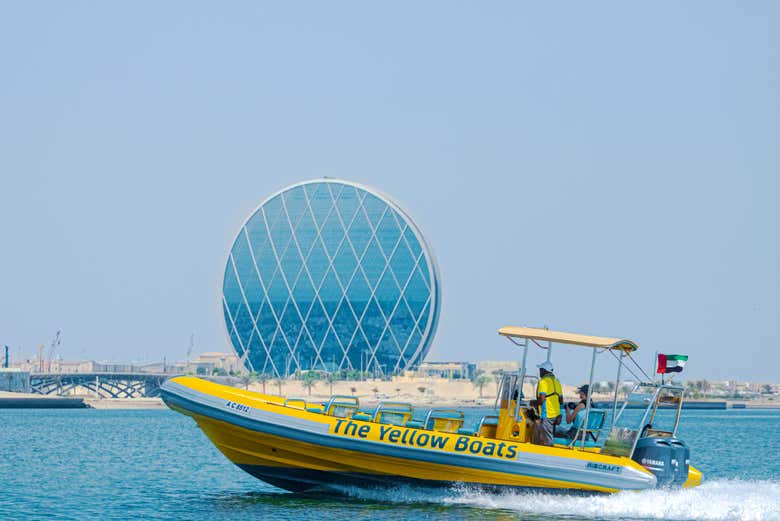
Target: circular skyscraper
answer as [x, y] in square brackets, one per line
[330, 275]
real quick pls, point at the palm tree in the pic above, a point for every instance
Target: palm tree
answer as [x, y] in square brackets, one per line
[497, 375]
[480, 382]
[263, 379]
[248, 379]
[330, 378]
[309, 380]
[279, 382]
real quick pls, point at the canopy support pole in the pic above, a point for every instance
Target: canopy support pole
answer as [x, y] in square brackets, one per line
[549, 348]
[522, 379]
[617, 386]
[677, 416]
[588, 401]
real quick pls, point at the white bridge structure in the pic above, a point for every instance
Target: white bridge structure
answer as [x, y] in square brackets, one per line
[105, 385]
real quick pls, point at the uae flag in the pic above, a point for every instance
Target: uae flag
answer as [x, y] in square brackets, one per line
[671, 363]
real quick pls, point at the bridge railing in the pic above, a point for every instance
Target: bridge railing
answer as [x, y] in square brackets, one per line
[105, 385]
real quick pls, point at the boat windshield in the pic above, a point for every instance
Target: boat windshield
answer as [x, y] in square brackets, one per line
[625, 429]
[643, 414]
[665, 415]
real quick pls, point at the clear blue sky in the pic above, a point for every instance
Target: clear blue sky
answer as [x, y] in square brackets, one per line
[608, 168]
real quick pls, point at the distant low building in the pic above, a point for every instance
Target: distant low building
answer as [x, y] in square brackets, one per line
[114, 367]
[489, 367]
[14, 380]
[56, 366]
[207, 363]
[29, 365]
[82, 366]
[449, 370]
[163, 368]
[466, 370]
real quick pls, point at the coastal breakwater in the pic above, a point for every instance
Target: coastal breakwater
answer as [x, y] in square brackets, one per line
[27, 401]
[10, 400]
[689, 405]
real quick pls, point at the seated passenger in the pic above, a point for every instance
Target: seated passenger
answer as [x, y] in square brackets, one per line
[575, 413]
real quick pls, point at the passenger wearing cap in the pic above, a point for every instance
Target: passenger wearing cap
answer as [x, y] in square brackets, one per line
[575, 412]
[548, 404]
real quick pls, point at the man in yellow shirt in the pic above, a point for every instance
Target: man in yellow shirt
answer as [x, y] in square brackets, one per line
[548, 404]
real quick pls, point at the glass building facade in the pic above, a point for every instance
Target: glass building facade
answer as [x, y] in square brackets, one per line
[330, 275]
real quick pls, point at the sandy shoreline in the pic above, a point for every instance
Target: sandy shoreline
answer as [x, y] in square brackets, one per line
[125, 403]
[420, 392]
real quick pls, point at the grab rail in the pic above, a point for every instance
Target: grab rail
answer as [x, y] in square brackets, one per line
[444, 420]
[489, 420]
[342, 406]
[395, 413]
[290, 401]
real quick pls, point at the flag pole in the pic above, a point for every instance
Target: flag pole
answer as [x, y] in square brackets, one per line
[655, 373]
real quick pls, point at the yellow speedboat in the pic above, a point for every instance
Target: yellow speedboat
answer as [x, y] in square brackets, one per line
[297, 445]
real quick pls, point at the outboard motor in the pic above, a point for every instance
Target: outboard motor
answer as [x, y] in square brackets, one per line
[681, 458]
[667, 458]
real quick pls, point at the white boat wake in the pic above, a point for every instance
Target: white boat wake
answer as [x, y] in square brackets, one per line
[712, 501]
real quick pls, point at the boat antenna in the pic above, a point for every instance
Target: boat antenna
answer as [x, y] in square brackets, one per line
[639, 367]
[627, 367]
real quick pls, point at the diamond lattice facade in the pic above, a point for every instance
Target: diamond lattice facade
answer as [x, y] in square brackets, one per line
[330, 275]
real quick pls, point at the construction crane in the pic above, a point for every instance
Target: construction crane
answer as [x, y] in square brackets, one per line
[53, 347]
[192, 346]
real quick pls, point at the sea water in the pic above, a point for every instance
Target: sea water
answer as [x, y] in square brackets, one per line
[99, 464]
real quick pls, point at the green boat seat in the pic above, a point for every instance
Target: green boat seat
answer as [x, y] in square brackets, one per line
[466, 432]
[361, 416]
[414, 424]
[595, 424]
[314, 408]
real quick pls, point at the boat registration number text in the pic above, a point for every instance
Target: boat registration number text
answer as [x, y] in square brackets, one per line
[424, 439]
[238, 407]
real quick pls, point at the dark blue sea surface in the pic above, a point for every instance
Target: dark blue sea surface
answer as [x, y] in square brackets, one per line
[99, 464]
